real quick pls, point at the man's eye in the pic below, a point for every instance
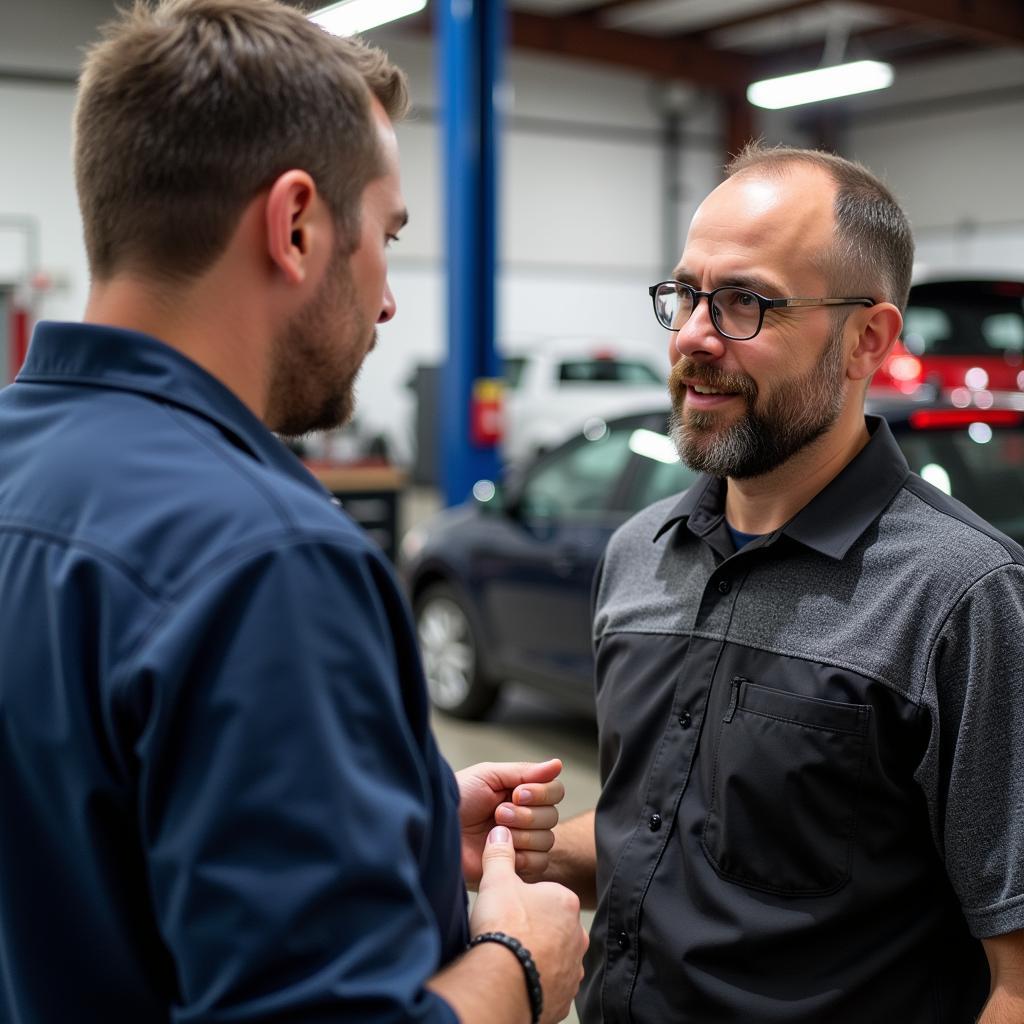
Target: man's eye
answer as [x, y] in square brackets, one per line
[391, 239]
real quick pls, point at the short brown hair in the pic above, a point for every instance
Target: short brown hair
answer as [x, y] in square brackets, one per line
[187, 109]
[873, 248]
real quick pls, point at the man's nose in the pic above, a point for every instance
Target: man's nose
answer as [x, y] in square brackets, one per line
[389, 307]
[698, 336]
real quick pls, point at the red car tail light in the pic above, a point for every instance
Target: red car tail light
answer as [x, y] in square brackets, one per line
[943, 419]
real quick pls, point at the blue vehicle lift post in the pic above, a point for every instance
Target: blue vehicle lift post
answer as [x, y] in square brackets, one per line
[472, 39]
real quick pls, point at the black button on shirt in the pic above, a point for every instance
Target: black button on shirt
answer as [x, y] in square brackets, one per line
[724, 586]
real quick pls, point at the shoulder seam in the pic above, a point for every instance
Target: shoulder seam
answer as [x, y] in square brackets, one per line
[55, 536]
[995, 536]
[252, 549]
[954, 604]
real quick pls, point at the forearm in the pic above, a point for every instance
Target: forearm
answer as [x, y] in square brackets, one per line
[1003, 1008]
[485, 986]
[1005, 955]
[573, 860]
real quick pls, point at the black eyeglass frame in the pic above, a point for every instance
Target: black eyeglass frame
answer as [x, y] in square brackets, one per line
[764, 304]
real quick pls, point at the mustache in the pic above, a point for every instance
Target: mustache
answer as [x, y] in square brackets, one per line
[688, 371]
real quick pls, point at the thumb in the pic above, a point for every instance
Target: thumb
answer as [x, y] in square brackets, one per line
[499, 857]
[540, 771]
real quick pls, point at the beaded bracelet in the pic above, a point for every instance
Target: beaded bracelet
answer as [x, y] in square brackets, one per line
[533, 987]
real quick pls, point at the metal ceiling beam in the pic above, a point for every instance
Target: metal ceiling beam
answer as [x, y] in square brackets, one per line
[580, 37]
[994, 22]
[868, 43]
[764, 14]
[603, 6]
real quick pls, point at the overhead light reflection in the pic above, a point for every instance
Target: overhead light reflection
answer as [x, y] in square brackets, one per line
[653, 445]
[937, 477]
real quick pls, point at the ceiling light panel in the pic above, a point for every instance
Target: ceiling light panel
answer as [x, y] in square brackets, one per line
[348, 17]
[820, 84]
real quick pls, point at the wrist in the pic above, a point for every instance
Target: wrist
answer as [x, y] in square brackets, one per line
[534, 991]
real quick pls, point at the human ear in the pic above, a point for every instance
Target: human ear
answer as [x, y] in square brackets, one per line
[877, 329]
[294, 230]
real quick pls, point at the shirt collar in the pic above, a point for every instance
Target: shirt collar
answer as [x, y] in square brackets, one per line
[835, 517]
[110, 357]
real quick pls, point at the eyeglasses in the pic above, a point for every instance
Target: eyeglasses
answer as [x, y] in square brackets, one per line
[737, 313]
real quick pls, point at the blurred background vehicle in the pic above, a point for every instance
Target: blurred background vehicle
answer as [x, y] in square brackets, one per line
[963, 336]
[554, 387]
[500, 585]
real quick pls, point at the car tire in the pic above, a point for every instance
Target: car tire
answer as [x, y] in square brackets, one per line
[450, 648]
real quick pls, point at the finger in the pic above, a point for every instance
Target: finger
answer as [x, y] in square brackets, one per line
[533, 839]
[499, 857]
[539, 793]
[526, 817]
[531, 864]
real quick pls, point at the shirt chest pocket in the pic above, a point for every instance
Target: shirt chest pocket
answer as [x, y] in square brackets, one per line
[785, 790]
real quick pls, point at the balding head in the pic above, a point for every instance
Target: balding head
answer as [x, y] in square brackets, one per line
[871, 248]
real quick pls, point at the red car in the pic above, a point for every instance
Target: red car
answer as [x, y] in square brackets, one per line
[961, 338]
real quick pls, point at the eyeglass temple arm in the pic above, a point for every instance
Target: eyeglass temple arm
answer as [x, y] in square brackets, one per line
[785, 303]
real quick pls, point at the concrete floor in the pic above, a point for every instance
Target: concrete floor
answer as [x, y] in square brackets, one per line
[527, 726]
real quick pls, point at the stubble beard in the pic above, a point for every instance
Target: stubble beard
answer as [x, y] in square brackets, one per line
[794, 415]
[317, 358]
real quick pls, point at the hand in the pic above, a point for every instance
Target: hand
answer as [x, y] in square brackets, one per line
[519, 794]
[544, 917]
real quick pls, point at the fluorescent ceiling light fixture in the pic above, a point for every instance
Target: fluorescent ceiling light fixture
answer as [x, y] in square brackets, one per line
[351, 16]
[820, 84]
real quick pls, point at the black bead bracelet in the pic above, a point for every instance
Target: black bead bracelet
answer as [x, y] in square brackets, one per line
[533, 989]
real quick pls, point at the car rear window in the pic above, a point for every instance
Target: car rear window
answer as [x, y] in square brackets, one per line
[607, 370]
[981, 465]
[966, 318]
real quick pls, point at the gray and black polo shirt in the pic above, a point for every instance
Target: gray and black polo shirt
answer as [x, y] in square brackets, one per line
[812, 753]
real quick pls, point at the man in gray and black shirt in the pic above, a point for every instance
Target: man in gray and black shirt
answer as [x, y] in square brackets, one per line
[810, 666]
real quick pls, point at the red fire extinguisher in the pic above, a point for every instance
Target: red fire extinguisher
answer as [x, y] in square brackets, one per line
[19, 330]
[486, 419]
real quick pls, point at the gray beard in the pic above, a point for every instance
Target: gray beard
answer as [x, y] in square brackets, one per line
[795, 416]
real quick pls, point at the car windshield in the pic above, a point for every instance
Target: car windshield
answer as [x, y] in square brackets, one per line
[512, 369]
[966, 318]
[981, 466]
[606, 370]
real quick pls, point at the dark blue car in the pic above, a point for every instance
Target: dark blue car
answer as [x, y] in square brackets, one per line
[500, 586]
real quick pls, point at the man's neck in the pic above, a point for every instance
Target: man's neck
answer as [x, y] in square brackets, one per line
[193, 320]
[761, 504]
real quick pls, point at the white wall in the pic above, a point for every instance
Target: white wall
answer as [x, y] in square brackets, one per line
[37, 195]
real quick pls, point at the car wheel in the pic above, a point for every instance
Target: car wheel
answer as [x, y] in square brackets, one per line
[450, 649]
